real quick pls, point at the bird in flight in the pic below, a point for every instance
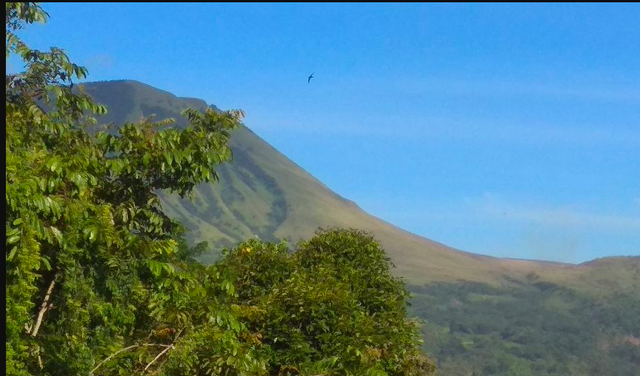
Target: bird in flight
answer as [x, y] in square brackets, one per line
[310, 77]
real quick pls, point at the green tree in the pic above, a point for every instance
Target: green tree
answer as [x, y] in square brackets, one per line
[330, 307]
[94, 274]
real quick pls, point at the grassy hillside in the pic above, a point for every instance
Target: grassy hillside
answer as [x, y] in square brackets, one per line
[264, 194]
[484, 315]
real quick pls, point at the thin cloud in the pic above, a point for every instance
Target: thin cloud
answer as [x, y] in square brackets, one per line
[438, 128]
[562, 217]
[510, 89]
[543, 245]
[104, 61]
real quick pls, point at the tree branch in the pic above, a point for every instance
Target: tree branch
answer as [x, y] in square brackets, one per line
[157, 357]
[126, 349]
[111, 356]
[164, 351]
[43, 308]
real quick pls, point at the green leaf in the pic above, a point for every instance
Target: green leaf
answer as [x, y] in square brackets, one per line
[57, 234]
[12, 253]
[13, 239]
[169, 158]
[46, 263]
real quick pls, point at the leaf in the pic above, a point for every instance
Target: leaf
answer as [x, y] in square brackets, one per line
[91, 233]
[169, 158]
[57, 234]
[46, 263]
[155, 267]
[13, 239]
[12, 253]
[13, 232]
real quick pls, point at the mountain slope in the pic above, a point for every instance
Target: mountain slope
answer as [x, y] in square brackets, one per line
[483, 315]
[263, 193]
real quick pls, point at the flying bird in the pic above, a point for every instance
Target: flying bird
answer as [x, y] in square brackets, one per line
[310, 77]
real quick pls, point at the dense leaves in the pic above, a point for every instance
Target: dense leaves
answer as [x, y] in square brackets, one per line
[330, 307]
[94, 276]
[531, 328]
[99, 281]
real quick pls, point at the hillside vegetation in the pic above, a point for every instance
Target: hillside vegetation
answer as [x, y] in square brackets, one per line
[483, 315]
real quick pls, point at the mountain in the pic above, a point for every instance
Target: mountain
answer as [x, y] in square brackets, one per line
[263, 193]
[535, 318]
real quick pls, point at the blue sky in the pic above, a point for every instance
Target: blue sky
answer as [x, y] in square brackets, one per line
[508, 130]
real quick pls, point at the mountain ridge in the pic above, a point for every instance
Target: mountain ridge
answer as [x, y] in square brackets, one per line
[262, 193]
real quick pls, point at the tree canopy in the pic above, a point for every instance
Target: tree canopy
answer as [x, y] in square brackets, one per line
[99, 280]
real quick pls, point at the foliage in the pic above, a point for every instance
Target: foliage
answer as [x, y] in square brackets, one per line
[93, 264]
[330, 307]
[99, 281]
[532, 328]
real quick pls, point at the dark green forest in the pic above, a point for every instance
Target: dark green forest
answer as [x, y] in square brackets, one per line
[529, 328]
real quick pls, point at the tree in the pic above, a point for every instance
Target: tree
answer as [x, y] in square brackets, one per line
[92, 263]
[332, 307]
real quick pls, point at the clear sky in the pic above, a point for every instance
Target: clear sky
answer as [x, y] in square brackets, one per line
[508, 130]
